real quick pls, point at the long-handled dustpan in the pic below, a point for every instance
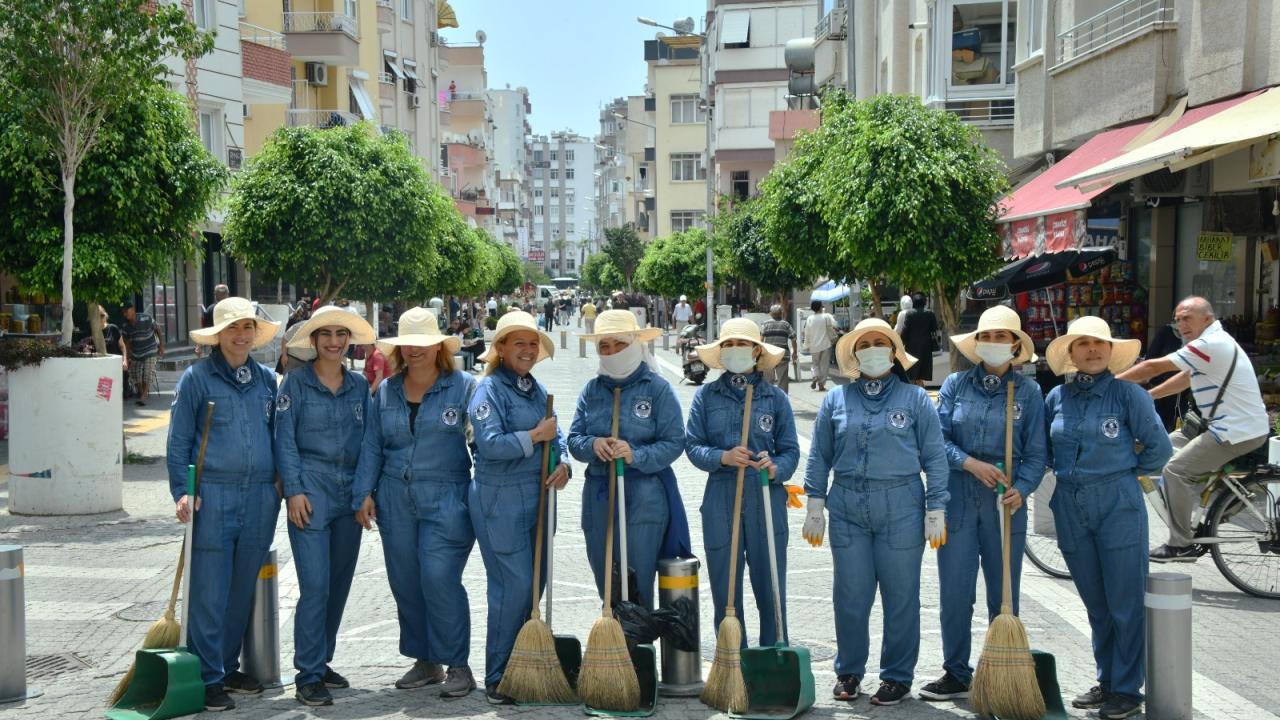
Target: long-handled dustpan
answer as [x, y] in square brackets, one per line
[779, 678]
[568, 647]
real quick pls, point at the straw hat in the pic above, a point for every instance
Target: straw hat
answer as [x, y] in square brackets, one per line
[515, 321]
[418, 327]
[228, 311]
[611, 323]
[361, 332]
[741, 329]
[1123, 352]
[844, 347]
[999, 317]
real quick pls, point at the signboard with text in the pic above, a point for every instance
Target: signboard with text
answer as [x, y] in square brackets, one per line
[1213, 246]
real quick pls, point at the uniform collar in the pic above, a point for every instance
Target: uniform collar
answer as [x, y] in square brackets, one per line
[990, 383]
[241, 378]
[442, 383]
[521, 384]
[735, 385]
[308, 375]
[1093, 384]
[876, 388]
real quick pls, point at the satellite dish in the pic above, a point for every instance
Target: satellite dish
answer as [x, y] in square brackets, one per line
[684, 26]
[481, 37]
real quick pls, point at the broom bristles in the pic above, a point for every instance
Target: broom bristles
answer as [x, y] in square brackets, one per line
[1004, 682]
[163, 633]
[608, 680]
[725, 689]
[533, 674]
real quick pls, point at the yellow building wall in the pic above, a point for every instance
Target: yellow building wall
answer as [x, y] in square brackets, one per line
[665, 81]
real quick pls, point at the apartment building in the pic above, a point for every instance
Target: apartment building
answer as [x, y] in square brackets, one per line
[467, 133]
[679, 153]
[563, 201]
[626, 187]
[512, 167]
[611, 167]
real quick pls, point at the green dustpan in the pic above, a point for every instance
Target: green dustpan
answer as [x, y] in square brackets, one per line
[645, 660]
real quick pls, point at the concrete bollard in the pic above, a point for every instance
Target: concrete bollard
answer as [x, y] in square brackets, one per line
[13, 627]
[260, 655]
[650, 347]
[681, 670]
[564, 339]
[1168, 609]
[582, 348]
[666, 340]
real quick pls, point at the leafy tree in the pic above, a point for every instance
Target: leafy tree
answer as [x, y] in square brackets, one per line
[508, 274]
[140, 196]
[740, 241]
[460, 262]
[674, 265]
[600, 274]
[534, 273]
[625, 249]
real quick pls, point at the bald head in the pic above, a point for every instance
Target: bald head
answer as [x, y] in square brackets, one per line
[1193, 316]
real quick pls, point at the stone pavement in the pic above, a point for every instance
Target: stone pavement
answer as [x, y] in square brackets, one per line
[93, 585]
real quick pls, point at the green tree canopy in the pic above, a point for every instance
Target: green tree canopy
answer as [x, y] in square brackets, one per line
[624, 249]
[600, 274]
[534, 273]
[460, 264]
[675, 265]
[740, 241]
[507, 275]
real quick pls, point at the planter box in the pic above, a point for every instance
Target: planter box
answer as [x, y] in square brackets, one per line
[65, 437]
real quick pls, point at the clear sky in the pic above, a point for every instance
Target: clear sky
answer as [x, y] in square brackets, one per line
[573, 55]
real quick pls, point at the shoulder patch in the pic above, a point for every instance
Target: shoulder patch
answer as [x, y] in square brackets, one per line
[283, 403]
[482, 411]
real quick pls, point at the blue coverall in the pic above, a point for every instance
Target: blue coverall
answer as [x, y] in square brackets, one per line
[652, 424]
[876, 437]
[504, 502]
[317, 443]
[238, 500]
[1099, 513]
[715, 425]
[419, 482]
[971, 406]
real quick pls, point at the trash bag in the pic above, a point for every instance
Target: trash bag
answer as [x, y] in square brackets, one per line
[678, 624]
[637, 623]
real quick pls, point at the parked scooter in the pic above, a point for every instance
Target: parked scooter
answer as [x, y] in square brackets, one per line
[695, 370]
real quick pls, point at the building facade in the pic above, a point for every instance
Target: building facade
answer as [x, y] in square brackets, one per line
[512, 168]
[678, 160]
[563, 201]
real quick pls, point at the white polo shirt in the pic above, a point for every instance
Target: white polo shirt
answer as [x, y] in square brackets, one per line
[1241, 415]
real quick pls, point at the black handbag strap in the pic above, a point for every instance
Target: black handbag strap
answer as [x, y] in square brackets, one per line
[1235, 354]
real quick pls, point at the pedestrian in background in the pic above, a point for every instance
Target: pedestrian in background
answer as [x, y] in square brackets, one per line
[919, 337]
[220, 292]
[819, 335]
[904, 309]
[588, 316]
[778, 332]
[144, 345]
[319, 427]
[681, 314]
[237, 503]
[375, 367]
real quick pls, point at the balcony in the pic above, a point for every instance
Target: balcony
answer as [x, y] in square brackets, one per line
[264, 64]
[985, 112]
[833, 25]
[1113, 27]
[386, 87]
[320, 118]
[386, 15]
[328, 37]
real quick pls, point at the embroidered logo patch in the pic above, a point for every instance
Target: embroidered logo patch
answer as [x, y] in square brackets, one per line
[1111, 427]
[766, 423]
[450, 416]
[898, 418]
[283, 403]
[991, 382]
[269, 406]
[873, 387]
[244, 374]
[524, 383]
[643, 409]
[1084, 379]
[739, 382]
[1017, 411]
[358, 411]
[482, 411]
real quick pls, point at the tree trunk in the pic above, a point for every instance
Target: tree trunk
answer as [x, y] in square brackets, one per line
[874, 286]
[372, 308]
[949, 307]
[68, 238]
[95, 326]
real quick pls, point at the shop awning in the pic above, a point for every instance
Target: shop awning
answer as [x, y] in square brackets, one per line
[830, 292]
[445, 16]
[392, 61]
[411, 69]
[362, 100]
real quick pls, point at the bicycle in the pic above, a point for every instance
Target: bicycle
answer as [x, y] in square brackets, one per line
[1042, 539]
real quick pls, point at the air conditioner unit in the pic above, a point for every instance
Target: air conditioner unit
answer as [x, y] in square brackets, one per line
[317, 73]
[1192, 182]
[415, 100]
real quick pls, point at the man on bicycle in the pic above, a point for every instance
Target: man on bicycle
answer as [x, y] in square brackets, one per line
[1225, 389]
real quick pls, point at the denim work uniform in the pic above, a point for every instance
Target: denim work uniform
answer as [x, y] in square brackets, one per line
[971, 406]
[504, 502]
[318, 437]
[876, 436]
[419, 481]
[238, 501]
[1099, 513]
[650, 421]
[715, 425]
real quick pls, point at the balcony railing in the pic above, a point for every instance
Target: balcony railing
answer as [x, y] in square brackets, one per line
[386, 78]
[262, 36]
[832, 26]
[1112, 26]
[301, 22]
[320, 118]
[982, 112]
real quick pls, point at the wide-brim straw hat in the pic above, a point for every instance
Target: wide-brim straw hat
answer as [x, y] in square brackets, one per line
[741, 329]
[516, 321]
[1124, 353]
[228, 311]
[418, 327]
[996, 318]
[330, 315]
[621, 323]
[848, 362]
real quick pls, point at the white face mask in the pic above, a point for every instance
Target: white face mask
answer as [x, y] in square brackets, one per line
[621, 364]
[994, 354]
[738, 359]
[874, 361]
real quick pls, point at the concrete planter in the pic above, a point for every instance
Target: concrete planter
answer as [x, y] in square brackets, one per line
[65, 439]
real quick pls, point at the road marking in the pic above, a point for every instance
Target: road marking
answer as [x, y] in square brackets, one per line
[146, 425]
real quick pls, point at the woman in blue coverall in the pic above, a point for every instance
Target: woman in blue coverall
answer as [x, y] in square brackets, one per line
[237, 503]
[650, 438]
[712, 441]
[875, 436]
[507, 416]
[1095, 426]
[971, 406]
[320, 413]
[413, 478]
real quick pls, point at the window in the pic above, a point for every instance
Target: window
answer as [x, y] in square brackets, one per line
[537, 210]
[682, 220]
[568, 228]
[350, 9]
[568, 173]
[735, 26]
[555, 172]
[686, 109]
[209, 131]
[555, 191]
[537, 192]
[205, 14]
[568, 209]
[570, 261]
[740, 182]
[976, 57]
[406, 10]
[1033, 16]
[687, 167]
[555, 155]
[568, 156]
[537, 156]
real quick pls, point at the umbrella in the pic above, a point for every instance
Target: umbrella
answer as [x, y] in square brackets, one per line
[1041, 271]
[830, 292]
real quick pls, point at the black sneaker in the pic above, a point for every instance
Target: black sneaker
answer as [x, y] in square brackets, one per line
[890, 693]
[1119, 706]
[314, 694]
[1173, 553]
[847, 687]
[334, 680]
[494, 697]
[947, 687]
[1094, 698]
[237, 682]
[216, 699]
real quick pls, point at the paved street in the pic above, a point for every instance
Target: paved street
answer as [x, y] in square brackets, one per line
[93, 585]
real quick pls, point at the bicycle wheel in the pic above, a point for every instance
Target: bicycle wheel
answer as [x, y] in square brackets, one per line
[1250, 556]
[1042, 540]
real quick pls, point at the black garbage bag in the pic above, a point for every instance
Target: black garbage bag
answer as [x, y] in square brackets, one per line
[678, 624]
[637, 623]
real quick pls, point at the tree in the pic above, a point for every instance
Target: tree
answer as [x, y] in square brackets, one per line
[625, 250]
[66, 67]
[600, 274]
[460, 263]
[534, 273]
[740, 240]
[559, 244]
[508, 274]
[140, 196]
[674, 265]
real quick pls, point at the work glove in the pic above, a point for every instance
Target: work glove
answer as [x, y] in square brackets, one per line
[935, 528]
[815, 523]
[793, 496]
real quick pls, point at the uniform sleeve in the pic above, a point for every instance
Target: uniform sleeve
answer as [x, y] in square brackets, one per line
[817, 471]
[492, 440]
[369, 467]
[786, 447]
[1034, 442]
[933, 455]
[579, 441]
[288, 463]
[666, 449]
[1147, 429]
[1052, 406]
[946, 404]
[697, 439]
[183, 427]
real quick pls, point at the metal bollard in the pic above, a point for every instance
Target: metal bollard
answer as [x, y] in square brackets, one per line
[666, 340]
[1168, 609]
[582, 348]
[564, 339]
[681, 670]
[650, 347]
[260, 654]
[13, 628]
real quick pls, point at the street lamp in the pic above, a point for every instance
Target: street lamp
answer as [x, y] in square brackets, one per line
[620, 116]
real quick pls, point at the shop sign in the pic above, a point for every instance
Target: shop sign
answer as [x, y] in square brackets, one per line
[1060, 232]
[1213, 247]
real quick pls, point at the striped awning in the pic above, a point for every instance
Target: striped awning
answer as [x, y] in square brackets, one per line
[445, 16]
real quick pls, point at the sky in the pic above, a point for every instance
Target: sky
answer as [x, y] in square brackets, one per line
[573, 55]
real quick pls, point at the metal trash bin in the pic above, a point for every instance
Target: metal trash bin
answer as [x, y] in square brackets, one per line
[13, 628]
[681, 670]
[260, 653]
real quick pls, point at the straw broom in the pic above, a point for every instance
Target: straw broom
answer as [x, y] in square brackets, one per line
[1004, 683]
[533, 674]
[608, 680]
[726, 690]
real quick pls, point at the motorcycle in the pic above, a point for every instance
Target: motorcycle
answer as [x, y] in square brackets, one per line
[695, 370]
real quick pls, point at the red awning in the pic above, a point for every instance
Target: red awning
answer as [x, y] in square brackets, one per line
[1040, 197]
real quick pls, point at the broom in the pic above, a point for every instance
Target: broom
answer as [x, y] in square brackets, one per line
[726, 690]
[533, 674]
[608, 680]
[164, 632]
[1004, 683]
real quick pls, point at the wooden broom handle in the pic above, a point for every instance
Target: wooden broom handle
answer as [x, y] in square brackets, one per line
[542, 510]
[737, 506]
[182, 554]
[607, 611]
[1006, 600]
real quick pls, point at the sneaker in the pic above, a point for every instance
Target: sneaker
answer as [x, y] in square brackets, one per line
[334, 680]
[1173, 553]
[496, 698]
[848, 687]
[947, 687]
[237, 682]
[1094, 698]
[890, 693]
[1119, 706]
[458, 682]
[422, 673]
[314, 694]
[216, 699]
